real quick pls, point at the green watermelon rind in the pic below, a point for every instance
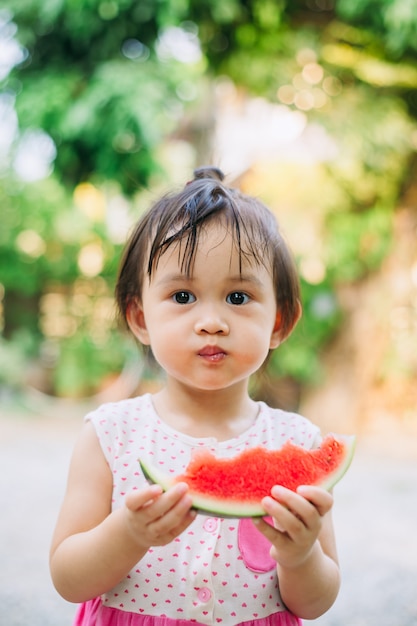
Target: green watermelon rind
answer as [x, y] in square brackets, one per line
[208, 505]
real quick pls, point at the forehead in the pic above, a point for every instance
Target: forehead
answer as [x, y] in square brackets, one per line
[214, 242]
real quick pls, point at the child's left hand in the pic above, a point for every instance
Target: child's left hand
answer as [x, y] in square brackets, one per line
[298, 518]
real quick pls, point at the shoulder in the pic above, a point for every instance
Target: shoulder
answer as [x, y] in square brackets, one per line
[119, 424]
[121, 412]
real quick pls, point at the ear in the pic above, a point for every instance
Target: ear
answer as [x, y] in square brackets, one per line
[135, 318]
[278, 336]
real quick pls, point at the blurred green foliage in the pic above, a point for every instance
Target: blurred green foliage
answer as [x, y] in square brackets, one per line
[109, 81]
[395, 21]
[299, 357]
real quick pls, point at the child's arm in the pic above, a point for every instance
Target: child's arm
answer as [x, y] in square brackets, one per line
[94, 548]
[304, 548]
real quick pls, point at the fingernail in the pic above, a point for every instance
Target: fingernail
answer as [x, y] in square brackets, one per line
[182, 487]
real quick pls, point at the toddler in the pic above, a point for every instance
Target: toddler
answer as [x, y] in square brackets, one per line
[208, 283]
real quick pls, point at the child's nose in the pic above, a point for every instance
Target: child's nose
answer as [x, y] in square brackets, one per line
[211, 323]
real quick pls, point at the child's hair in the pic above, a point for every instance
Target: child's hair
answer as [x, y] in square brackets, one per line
[177, 220]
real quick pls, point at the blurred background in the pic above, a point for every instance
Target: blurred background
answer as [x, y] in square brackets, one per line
[310, 105]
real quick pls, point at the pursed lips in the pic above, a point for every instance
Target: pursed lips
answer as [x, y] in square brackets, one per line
[212, 353]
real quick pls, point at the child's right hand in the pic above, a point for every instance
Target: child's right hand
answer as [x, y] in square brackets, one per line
[154, 517]
[93, 547]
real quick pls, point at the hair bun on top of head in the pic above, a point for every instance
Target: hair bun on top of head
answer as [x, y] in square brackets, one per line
[210, 172]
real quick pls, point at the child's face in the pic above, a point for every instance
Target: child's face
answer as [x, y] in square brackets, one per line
[213, 329]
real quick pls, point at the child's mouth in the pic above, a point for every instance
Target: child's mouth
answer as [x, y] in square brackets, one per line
[212, 353]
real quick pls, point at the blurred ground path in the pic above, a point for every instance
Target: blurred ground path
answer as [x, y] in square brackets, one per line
[34, 458]
[375, 518]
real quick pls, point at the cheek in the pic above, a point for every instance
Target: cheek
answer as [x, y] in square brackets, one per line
[254, 348]
[165, 339]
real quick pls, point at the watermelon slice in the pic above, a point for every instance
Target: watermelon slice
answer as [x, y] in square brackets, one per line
[234, 487]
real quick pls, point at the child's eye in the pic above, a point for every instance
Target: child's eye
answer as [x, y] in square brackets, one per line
[237, 297]
[183, 297]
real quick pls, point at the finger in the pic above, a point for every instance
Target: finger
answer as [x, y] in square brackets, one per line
[163, 528]
[174, 521]
[269, 531]
[168, 501]
[139, 498]
[316, 497]
[320, 498]
[290, 516]
[291, 512]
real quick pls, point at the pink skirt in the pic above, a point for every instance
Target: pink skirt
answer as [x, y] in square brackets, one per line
[93, 613]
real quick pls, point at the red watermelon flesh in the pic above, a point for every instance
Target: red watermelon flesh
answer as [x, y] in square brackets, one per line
[235, 486]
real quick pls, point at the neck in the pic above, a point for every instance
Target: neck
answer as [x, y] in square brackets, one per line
[222, 414]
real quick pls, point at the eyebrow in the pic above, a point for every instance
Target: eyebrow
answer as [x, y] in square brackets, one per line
[247, 278]
[183, 277]
[172, 279]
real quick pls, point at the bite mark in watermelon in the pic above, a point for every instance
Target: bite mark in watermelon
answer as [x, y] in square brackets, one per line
[234, 487]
